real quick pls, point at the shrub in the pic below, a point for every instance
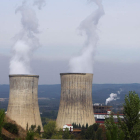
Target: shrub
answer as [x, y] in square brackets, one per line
[2, 115]
[49, 129]
[30, 135]
[12, 128]
[38, 129]
[32, 128]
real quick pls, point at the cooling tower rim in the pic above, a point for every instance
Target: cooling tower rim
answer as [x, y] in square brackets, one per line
[74, 73]
[22, 75]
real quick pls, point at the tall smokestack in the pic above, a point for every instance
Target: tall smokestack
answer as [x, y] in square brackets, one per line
[76, 99]
[23, 100]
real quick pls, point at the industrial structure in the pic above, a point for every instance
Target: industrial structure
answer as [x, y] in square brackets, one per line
[100, 117]
[101, 108]
[101, 112]
[23, 100]
[76, 100]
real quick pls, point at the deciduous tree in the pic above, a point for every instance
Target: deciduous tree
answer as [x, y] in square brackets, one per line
[113, 131]
[2, 115]
[49, 129]
[131, 122]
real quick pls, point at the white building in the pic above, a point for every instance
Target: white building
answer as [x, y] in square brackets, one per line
[69, 126]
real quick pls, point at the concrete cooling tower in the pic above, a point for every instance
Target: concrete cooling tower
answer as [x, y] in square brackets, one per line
[76, 99]
[23, 100]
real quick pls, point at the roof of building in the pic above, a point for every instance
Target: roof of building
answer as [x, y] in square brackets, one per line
[102, 122]
[107, 114]
[68, 124]
[105, 106]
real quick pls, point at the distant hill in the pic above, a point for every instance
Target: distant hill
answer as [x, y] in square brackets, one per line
[99, 91]
[4, 91]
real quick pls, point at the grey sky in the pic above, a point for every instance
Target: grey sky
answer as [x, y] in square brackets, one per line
[117, 58]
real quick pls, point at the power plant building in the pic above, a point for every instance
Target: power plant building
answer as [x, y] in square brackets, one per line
[23, 100]
[76, 100]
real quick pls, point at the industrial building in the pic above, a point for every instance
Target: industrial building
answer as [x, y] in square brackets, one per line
[101, 112]
[23, 100]
[99, 108]
[76, 99]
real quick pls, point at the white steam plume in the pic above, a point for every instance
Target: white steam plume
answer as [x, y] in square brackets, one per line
[40, 3]
[84, 62]
[113, 96]
[25, 41]
[119, 92]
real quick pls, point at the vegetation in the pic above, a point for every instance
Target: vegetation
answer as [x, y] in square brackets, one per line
[45, 120]
[58, 135]
[102, 126]
[2, 115]
[32, 128]
[99, 134]
[30, 135]
[49, 114]
[51, 132]
[49, 129]
[33, 132]
[79, 126]
[76, 125]
[131, 123]
[12, 128]
[128, 128]
[113, 131]
[93, 132]
[67, 135]
[38, 130]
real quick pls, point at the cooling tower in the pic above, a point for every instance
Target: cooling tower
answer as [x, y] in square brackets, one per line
[23, 100]
[76, 99]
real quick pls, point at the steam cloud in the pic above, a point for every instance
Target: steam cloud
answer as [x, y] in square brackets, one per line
[84, 62]
[119, 92]
[40, 3]
[25, 41]
[113, 96]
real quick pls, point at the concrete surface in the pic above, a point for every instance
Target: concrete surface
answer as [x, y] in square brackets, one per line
[23, 100]
[76, 99]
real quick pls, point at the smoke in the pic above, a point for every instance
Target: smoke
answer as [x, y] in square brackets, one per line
[26, 41]
[84, 62]
[113, 96]
[119, 92]
[39, 3]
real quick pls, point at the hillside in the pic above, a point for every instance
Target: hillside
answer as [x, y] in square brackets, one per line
[9, 136]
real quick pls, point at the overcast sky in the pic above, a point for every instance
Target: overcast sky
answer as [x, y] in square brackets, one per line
[117, 57]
